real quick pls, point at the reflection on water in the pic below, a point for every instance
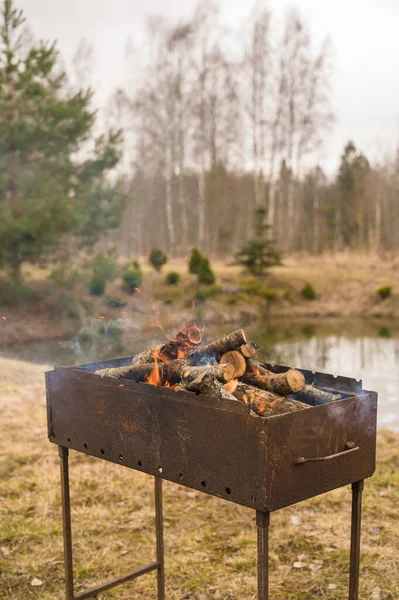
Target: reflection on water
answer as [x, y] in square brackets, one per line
[365, 350]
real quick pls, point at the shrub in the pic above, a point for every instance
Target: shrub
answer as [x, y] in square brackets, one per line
[195, 261]
[66, 277]
[104, 268]
[205, 274]
[308, 292]
[13, 292]
[115, 301]
[207, 292]
[157, 258]
[172, 278]
[132, 276]
[385, 292]
[232, 300]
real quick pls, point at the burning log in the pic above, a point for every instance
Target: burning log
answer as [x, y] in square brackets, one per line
[222, 372]
[237, 362]
[231, 341]
[289, 382]
[170, 372]
[185, 341]
[205, 383]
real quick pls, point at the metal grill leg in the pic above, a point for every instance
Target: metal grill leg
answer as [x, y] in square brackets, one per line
[357, 489]
[262, 523]
[159, 533]
[66, 522]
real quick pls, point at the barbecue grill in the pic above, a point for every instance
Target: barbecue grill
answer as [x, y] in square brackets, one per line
[215, 446]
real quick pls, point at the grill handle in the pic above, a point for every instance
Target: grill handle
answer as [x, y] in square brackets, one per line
[350, 447]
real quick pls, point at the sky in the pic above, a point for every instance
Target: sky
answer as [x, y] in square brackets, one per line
[364, 35]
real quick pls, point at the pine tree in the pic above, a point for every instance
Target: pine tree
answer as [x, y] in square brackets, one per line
[260, 253]
[45, 190]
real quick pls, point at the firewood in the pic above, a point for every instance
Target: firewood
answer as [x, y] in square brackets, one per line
[236, 360]
[289, 382]
[222, 372]
[205, 383]
[185, 340]
[249, 349]
[231, 341]
[266, 403]
[315, 395]
[171, 371]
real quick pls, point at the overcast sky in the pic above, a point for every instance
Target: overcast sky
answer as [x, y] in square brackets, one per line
[364, 33]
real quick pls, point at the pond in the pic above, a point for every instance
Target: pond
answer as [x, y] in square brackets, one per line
[364, 349]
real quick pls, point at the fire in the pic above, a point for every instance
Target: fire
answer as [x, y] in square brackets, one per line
[231, 386]
[181, 352]
[275, 401]
[154, 378]
[4, 318]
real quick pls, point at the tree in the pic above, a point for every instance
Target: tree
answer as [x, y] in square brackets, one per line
[259, 254]
[45, 190]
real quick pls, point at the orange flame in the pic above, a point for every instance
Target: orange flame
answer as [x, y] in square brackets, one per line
[231, 386]
[154, 378]
[274, 401]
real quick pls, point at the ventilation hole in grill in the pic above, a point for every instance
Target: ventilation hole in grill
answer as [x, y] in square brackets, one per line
[120, 457]
[69, 439]
[253, 498]
[85, 446]
[228, 491]
[203, 483]
[180, 475]
[102, 451]
[139, 463]
[160, 469]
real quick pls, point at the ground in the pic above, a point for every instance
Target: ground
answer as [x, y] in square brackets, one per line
[210, 544]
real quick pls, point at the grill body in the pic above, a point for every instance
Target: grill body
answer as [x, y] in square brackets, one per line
[217, 447]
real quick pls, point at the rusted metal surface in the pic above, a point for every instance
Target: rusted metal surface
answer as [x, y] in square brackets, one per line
[262, 525]
[217, 447]
[159, 536]
[357, 489]
[66, 522]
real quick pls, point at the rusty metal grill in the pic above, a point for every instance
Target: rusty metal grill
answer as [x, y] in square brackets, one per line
[216, 447]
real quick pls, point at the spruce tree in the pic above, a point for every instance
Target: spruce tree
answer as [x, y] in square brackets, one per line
[259, 253]
[47, 187]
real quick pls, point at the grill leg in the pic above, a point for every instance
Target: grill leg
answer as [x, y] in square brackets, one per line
[262, 523]
[66, 522]
[357, 489]
[159, 534]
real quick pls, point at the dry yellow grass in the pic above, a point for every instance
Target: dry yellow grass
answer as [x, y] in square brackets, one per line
[210, 544]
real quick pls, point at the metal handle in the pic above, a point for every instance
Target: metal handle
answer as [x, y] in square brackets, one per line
[350, 447]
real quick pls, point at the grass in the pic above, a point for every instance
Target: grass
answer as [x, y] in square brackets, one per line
[210, 544]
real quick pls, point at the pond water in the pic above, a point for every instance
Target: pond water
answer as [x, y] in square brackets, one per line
[364, 349]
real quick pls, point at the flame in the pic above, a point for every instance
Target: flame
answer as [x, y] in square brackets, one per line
[4, 318]
[275, 401]
[231, 386]
[245, 399]
[154, 378]
[181, 352]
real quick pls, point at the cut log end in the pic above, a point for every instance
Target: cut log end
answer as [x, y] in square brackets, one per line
[236, 360]
[249, 349]
[295, 381]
